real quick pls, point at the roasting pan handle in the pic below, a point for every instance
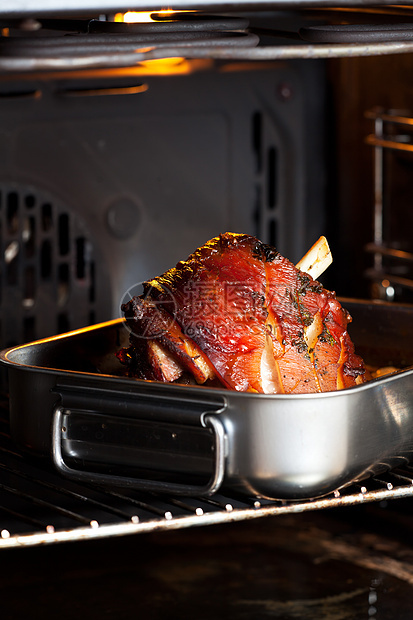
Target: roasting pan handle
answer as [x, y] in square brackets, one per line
[214, 483]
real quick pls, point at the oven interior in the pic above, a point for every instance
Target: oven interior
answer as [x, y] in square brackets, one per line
[123, 149]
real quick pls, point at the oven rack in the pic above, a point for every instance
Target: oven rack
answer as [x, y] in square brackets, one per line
[96, 44]
[37, 506]
[393, 133]
[134, 59]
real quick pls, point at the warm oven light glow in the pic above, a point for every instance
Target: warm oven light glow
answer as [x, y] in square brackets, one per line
[134, 17]
[165, 66]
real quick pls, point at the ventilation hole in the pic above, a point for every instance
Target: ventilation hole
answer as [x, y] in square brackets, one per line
[272, 232]
[30, 201]
[21, 94]
[92, 317]
[11, 251]
[12, 273]
[47, 220]
[63, 233]
[63, 285]
[92, 287]
[257, 212]
[29, 328]
[13, 212]
[272, 178]
[46, 260]
[63, 324]
[80, 257]
[257, 139]
[29, 236]
[29, 287]
[10, 257]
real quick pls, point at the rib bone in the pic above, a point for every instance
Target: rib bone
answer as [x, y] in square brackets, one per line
[317, 259]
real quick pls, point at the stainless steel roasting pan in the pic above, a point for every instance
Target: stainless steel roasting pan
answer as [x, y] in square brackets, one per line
[69, 402]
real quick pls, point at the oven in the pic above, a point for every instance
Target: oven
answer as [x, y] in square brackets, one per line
[128, 139]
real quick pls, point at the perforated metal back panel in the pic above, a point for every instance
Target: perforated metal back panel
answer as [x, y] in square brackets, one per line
[48, 282]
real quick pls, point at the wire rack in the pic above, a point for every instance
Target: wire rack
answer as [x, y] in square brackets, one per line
[38, 506]
[88, 46]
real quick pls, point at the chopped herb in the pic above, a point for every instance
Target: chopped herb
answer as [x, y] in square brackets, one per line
[352, 372]
[299, 344]
[327, 337]
[263, 251]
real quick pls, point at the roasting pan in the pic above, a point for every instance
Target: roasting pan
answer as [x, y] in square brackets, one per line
[70, 404]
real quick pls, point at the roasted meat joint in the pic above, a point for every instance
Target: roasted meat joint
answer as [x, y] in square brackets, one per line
[237, 314]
